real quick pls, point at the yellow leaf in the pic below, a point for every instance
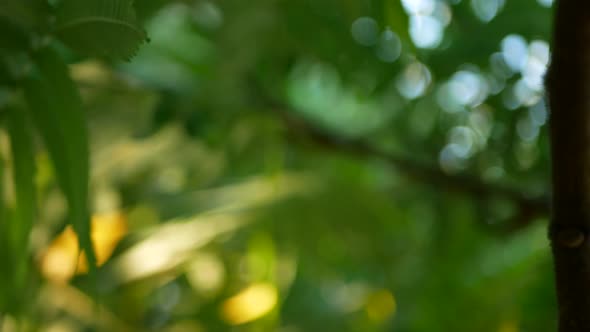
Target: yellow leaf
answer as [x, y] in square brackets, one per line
[62, 259]
[250, 304]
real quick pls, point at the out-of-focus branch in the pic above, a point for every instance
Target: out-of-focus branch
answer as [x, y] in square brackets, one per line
[528, 208]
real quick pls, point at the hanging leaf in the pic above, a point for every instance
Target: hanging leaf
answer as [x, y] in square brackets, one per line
[56, 109]
[5, 253]
[21, 146]
[23, 213]
[106, 28]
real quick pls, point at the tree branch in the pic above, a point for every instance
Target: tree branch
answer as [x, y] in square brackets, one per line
[528, 208]
[568, 83]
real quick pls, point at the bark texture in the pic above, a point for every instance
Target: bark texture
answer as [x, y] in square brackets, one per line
[568, 88]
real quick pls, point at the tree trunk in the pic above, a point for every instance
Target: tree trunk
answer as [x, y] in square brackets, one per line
[568, 88]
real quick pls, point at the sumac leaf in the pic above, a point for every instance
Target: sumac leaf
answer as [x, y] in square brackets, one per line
[21, 147]
[107, 28]
[56, 109]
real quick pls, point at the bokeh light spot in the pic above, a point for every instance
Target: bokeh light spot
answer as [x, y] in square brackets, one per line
[468, 88]
[524, 94]
[414, 80]
[206, 274]
[536, 65]
[345, 297]
[62, 259]
[449, 161]
[515, 50]
[442, 12]
[486, 10]
[538, 113]
[389, 47]
[250, 304]
[461, 140]
[365, 31]
[381, 305]
[526, 129]
[509, 326]
[419, 7]
[545, 3]
[425, 31]
[499, 67]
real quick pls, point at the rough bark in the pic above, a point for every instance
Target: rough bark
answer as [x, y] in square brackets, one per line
[568, 88]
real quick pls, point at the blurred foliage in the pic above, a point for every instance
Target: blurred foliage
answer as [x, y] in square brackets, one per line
[273, 165]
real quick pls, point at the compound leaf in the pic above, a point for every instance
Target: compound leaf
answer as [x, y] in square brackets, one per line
[21, 146]
[56, 108]
[106, 28]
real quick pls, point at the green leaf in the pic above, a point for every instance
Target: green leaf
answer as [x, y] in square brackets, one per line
[56, 109]
[21, 224]
[100, 27]
[21, 146]
[5, 252]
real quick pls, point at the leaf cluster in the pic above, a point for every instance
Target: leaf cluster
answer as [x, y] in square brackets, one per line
[40, 97]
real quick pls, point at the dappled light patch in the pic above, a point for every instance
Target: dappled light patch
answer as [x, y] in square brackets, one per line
[169, 246]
